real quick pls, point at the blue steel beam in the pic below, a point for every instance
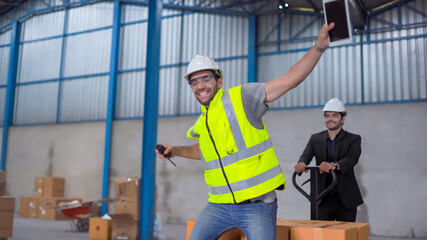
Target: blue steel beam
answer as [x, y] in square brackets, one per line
[252, 51]
[385, 22]
[10, 6]
[31, 12]
[273, 30]
[362, 6]
[423, 14]
[149, 139]
[191, 8]
[111, 108]
[304, 28]
[362, 70]
[206, 10]
[291, 11]
[10, 90]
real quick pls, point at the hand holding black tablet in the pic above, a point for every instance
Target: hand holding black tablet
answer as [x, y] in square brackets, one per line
[337, 11]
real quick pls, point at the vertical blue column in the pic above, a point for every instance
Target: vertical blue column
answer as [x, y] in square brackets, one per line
[362, 70]
[149, 139]
[112, 88]
[252, 51]
[10, 90]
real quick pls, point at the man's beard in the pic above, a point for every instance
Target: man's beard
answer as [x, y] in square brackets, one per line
[213, 94]
[335, 127]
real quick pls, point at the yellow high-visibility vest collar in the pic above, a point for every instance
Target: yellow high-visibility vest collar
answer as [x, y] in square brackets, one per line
[239, 159]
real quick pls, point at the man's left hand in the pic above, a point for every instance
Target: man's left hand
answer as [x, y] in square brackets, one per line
[325, 167]
[322, 39]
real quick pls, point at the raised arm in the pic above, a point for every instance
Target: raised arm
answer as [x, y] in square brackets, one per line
[298, 72]
[191, 151]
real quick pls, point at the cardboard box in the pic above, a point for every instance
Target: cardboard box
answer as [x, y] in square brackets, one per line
[33, 208]
[190, 226]
[48, 208]
[304, 232]
[123, 226]
[340, 232]
[2, 176]
[126, 193]
[7, 203]
[130, 206]
[54, 187]
[38, 187]
[99, 229]
[6, 223]
[291, 229]
[126, 188]
[2, 188]
[362, 230]
[318, 230]
[24, 205]
[7, 207]
[2, 182]
[49, 187]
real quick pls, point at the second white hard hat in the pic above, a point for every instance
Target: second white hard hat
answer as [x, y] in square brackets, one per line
[199, 63]
[334, 105]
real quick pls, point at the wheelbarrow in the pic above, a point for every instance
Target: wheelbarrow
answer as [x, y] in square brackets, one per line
[78, 214]
[315, 197]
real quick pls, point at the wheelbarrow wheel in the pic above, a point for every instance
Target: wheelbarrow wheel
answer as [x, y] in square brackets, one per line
[83, 224]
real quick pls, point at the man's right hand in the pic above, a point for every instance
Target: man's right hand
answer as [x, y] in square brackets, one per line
[300, 167]
[167, 150]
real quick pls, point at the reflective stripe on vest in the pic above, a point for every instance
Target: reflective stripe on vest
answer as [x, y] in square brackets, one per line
[193, 134]
[191, 131]
[242, 152]
[237, 186]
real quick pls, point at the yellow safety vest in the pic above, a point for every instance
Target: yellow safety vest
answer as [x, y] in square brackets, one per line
[239, 159]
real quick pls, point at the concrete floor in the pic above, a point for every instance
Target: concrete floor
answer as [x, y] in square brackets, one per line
[36, 229]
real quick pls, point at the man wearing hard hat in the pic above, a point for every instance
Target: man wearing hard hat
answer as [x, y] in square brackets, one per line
[240, 166]
[337, 150]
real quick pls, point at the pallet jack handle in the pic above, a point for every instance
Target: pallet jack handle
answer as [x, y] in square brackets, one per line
[314, 196]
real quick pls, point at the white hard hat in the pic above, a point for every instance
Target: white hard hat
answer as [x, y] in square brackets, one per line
[334, 105]
[199, 63]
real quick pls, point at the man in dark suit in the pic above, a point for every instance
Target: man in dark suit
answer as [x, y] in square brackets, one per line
[337, 150]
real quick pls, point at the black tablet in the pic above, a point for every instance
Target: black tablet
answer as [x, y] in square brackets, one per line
[337, 11]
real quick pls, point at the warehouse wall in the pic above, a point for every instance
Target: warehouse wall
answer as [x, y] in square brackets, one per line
[391, 169]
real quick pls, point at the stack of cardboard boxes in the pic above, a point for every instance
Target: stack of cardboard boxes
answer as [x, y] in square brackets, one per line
[126, 196]
[7, 208]
[290, 229]
[48, 195]
[124, 222]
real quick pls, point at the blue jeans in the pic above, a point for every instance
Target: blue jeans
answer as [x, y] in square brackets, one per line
[257, 220]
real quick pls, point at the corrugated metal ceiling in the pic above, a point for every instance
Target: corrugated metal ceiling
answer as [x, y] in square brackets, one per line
[316, 5]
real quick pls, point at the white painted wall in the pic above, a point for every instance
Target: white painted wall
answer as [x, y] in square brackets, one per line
[391, 172]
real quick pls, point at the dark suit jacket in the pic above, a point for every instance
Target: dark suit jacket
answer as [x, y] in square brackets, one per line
[347, 153]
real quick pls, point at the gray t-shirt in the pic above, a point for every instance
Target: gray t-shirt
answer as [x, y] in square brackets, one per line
[253, 96]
